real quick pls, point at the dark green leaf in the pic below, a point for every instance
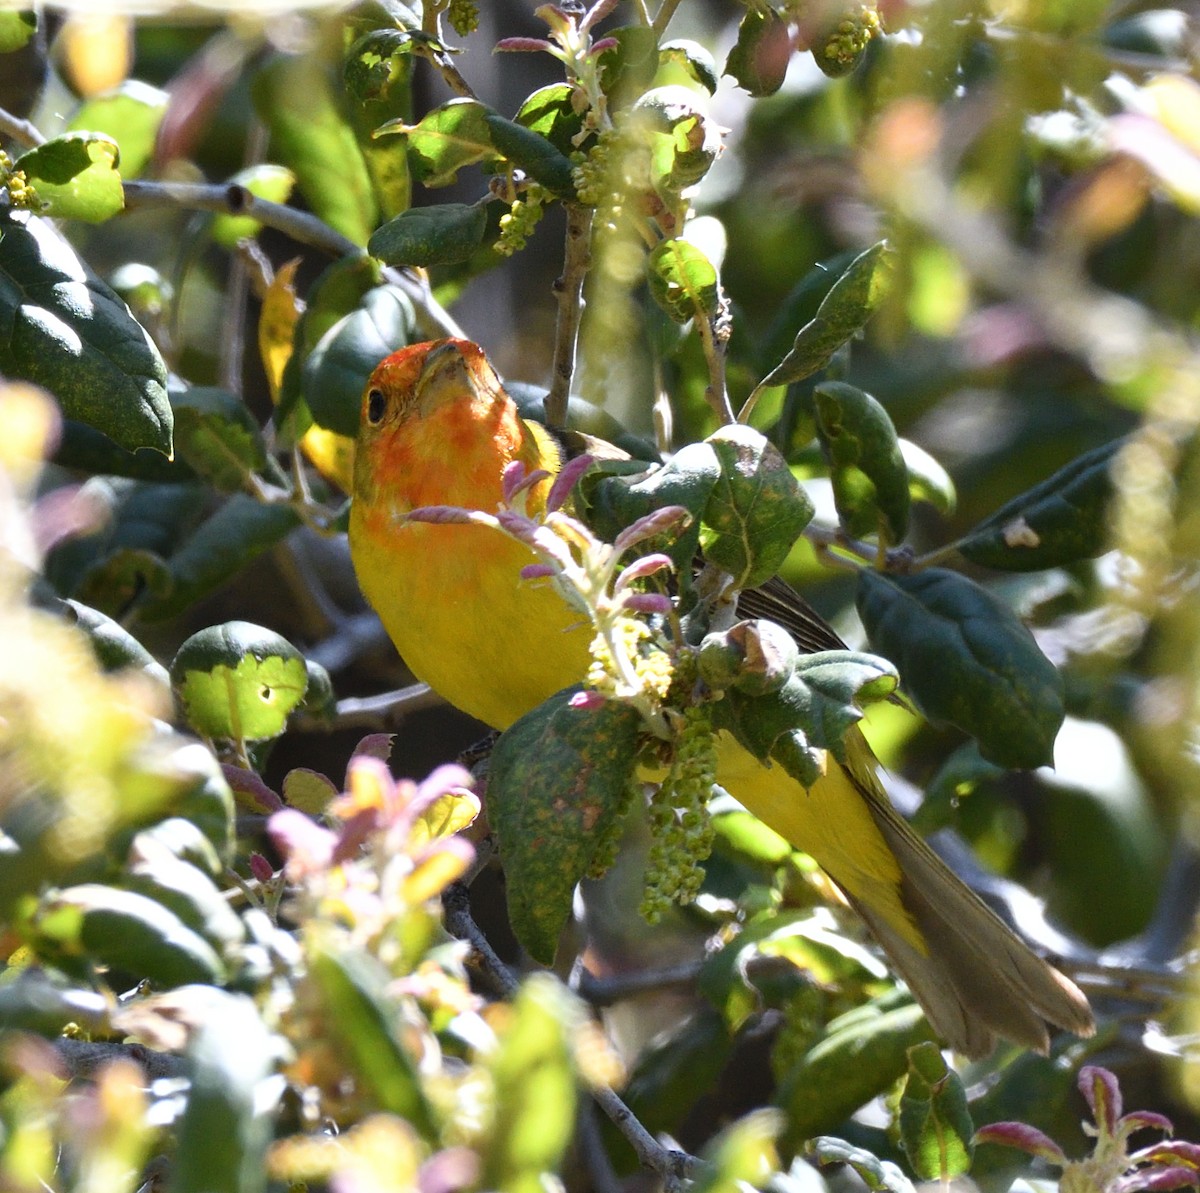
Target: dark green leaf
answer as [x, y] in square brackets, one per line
[759, 60]
[754, 656]
[802, 303]
[629, 67]
[550, 113]
[1059, 521]
[967, 660]
[880, 1176]
[231, 1058]
[336, 370]
[238, 532]
[430, 235]
[445, 140]
[366, 1023]
[810, 713]
[927, 480]
[87, 450]
[757, 508]
[857, 1059]
[239, 681]
[843, 312]
[130, 114]
[75, 176]
[683, 281]
[115, 647]
[217, 436]
[935, 1124]
[533, 153]
[870, 480]
[35, 1000]
[62, 328]
[695, 60]
[128, 932]
[186, 841]
[534, 1088]
[297, 100]
[557, 775]
[1159, 31]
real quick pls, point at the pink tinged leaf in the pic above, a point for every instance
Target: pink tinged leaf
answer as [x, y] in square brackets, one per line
[538, 571]
[510, 45]
[597, 13]
[66, 513]
[354, 832]
[1102, 1092]
[670, 517]
[1141, 1120]
[599, 47]
[307, 846]
[521, 528]
[449, 1171]
[1174, 1151]
[566, 480]
[250, 791]
[640, 568]
[1161, 1179]
[260, 868]
[443, 780]
[586, 699]
[375, 745]
[1023, 1137]
[647, 602]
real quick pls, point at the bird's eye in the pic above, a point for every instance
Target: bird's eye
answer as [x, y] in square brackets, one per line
[376, 405]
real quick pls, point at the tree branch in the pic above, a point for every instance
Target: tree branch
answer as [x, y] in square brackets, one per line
[577, 257]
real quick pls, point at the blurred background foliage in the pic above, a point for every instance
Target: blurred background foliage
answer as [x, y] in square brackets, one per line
[1035, 169]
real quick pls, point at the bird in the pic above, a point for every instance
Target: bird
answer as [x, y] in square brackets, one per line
[438, 428]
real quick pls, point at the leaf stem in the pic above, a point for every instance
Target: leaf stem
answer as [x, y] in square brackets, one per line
[714, 341]
[577, 257]
[665, 13]
[20, 130]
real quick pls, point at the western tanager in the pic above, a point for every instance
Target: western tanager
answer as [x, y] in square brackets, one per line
[438, 429]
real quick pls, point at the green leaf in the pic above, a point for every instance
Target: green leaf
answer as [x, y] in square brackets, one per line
[810, 713]
[114, 646]
[430, 235]
[556, 777]
[62, 328]
[928, 481]
[338, 291]
[75, 176]
[694, 59]
[684, 142]
[238, 532]
[935, 1124]
[186, 841]
[231, 1059]
[366, 1024]
[759, 60]
[130, 114]
[155, 871]
[16, 28]
[128, 932]
[870, 480]
[966, 660]
[533, 1085]
[238, 681]
[853, 1063]
[216, 434]
[879, 1176]
[296, 98]
[843, 312]
[337, 369]
[629, 67]
[264, 181]
[683, 281]
[550, 113]
[533, 153]
[757, 508]
[755, 656]
[1060, 521]
[84, 449]
[445, 140]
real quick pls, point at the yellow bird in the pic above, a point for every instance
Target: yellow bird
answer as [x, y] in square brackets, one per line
[438, 428]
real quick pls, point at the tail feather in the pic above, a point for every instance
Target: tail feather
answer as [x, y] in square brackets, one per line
[978, 980]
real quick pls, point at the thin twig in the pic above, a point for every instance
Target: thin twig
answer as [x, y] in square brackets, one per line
[665, 13]
[672, 1165]
[577, 256]
[592, 1154]
[714, 343]
[456, 908]
[603, 992]
[19, 130]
